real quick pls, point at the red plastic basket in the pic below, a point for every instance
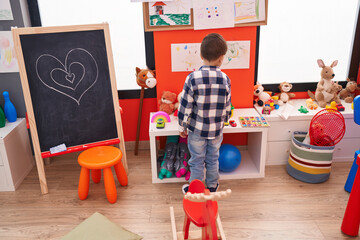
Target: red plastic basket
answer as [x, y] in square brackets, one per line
[327, 128]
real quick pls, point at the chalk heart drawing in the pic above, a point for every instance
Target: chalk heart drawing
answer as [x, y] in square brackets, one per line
[71, 78]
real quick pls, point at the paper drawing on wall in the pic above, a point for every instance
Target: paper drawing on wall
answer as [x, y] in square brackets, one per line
[176, 12]
[5, 10]
[249, 11]
[73, 78]
[213, 14]
[237, 56]
[186, 56]
[8, 60]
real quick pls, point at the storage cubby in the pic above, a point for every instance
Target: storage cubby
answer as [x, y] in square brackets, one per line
[252, 158]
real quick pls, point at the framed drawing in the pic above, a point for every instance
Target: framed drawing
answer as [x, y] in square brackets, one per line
[179, 14]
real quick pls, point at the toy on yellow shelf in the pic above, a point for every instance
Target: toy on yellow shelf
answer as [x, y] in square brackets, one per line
[332, 106]
[310, 104]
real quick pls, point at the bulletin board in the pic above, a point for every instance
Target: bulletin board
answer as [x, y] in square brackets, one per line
[155, 22]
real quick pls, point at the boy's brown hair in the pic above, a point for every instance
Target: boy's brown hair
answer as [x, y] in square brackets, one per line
[213, 46]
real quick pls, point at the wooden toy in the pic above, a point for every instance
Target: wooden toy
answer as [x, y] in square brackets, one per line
[200, 208]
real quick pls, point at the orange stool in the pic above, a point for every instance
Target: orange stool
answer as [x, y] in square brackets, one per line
[97, 158]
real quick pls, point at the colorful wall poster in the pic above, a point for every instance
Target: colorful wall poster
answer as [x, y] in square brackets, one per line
[186, 56]
[8, 60]
[176, 12]
[210, 14]
[5, 10]
[249, 11]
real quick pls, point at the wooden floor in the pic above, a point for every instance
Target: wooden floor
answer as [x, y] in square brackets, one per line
[274, 207]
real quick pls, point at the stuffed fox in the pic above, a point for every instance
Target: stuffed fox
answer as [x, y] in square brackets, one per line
[260, 96]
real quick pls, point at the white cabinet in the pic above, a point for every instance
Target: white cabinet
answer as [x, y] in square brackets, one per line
[16, 159]
[281, 130]
[252, 159]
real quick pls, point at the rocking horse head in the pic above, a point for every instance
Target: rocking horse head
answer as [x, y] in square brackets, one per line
[145, 78]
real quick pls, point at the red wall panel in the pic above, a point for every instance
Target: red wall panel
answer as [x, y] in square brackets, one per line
[130, 117]
[242, 80]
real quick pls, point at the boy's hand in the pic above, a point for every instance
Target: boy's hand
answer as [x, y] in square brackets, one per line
[183, 134]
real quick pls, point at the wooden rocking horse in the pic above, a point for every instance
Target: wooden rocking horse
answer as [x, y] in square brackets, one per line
[201, 209]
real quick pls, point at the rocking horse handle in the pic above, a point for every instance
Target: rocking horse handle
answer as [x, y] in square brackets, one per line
[201, 197]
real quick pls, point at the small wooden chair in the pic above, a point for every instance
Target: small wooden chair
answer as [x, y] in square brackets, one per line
[97, 158]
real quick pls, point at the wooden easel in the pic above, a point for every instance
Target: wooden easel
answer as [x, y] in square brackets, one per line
[29, 104]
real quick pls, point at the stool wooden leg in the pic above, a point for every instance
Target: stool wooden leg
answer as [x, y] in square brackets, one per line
[84, 179]
[121, 174]
[110, 187]
[186, 227]
[96, 175]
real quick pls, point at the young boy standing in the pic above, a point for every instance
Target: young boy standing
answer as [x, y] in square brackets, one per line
[204, 107]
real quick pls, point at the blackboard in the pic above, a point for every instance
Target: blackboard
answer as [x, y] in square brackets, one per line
[69, 88]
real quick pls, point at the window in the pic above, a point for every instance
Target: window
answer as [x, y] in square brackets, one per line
[300, 32]
[126, 30]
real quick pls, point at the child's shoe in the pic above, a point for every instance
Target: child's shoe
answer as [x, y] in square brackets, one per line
[182, 158]
[167, 166]
[185, 188]
[214, 189]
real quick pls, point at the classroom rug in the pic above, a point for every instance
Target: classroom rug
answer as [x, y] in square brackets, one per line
[97, 226]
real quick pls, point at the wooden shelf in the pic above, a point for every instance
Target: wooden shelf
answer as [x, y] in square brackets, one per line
[253, 159]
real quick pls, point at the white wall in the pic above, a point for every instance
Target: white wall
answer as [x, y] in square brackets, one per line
[126, 29]
[300, 32]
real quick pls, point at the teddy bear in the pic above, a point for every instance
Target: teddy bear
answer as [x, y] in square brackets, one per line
[348, 93]
[167, 101]
[284, 95]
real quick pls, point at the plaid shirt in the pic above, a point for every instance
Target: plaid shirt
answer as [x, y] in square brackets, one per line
[205, 103]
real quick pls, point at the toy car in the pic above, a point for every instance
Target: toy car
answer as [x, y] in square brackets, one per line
[232, 123]
[160, 123]
[340, 107]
